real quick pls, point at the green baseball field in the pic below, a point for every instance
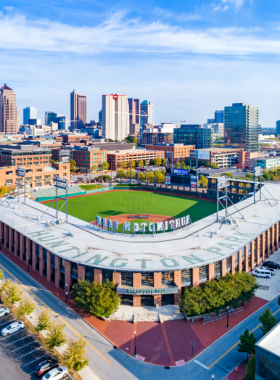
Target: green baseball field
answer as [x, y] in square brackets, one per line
[117, 203]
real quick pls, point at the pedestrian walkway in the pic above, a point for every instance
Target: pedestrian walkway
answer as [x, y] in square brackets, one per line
[147, 313]
[162, 344]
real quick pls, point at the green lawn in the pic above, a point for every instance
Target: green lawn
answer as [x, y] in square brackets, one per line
[137, 202]
[90, 187]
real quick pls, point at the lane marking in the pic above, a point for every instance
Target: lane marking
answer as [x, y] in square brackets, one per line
[236, 344]
[33, 361]
[18, 340]
[13, 320]
[202, 365]
[76, 332]
[28, 344]
[36, 349]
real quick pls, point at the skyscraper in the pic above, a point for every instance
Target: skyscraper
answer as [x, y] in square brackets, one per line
[219, 116]
[115, 117]
[9, 122]
[278, 127]
[241, 126]
[78, 110]
[134, 111]
[147, 112]
[29, 113]
[194, 134]
[50, 117]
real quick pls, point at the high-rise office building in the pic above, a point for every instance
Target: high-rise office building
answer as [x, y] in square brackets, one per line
[29, 113]
[241, 126]
[278, 127]
[100, 117]
[147, 113]
[50, 117]
[115, 117]
[134, 111]
[194, 134]
[78, 110]
[219, 116]
[9, 122]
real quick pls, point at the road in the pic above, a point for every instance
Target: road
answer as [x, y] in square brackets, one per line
[111, 364]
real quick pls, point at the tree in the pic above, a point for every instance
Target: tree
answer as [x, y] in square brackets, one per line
[142, 176]
[1, 274]
[214, 166]
[150, 176]
[247, 343]
[250, 368]
[178, 165]
[152, 162]
[140, 163]
[73, 166]
[26, 306]
[145, 162]
[183, 165]
[164, 161]
[268, 321]
[56, 336]
[12, 293]
[229, 175]
[203, 181]
[44, 320]
[127, 175]
[93, 168]
[124, 164]
[160, 178]
[132, 164]
[120, 173]
[100, 300]
[105, 165]
[158, 161]
[278, 300]
[3, 190]
[75, 355]
[130, 139]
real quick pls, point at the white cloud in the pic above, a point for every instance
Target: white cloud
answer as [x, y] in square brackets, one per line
[118, 34]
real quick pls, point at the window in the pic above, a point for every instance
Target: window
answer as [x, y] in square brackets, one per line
[126, 278]
[203, 273]
[167, 278]
[107, 274]
[89, 274]
[147, 279]
[263, 367]
[186, 276]
[62, 265]
[228, 264]
[74, 270]
[217, 269]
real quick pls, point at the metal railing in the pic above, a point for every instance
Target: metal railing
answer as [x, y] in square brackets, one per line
[221, 316]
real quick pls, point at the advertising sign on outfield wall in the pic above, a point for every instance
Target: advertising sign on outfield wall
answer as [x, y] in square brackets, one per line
[203, 154]
[181, 171]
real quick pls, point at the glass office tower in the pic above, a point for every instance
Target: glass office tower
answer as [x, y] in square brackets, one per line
[194, 134]
[241, 126]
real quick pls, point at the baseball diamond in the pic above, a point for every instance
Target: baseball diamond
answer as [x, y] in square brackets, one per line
[147, 269]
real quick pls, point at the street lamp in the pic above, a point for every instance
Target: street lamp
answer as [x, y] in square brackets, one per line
[27, 264]
[213, 377]
[66, 292]
[192, 343]
[135, 353]
[227, 317]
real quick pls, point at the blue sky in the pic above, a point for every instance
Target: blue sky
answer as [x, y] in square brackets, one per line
[188, 57]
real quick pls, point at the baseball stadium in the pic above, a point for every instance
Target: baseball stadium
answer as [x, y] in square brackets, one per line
[150, 243]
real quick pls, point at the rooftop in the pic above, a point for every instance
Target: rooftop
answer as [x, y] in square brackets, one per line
[5, 87]
[131, 151]
[271, 341]
[203, 242]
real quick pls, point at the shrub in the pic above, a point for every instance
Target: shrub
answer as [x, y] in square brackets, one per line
[213, 296]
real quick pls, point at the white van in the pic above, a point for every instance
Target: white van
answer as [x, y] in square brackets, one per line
[262, 273]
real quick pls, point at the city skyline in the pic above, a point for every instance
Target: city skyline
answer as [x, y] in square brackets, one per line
[208, 56]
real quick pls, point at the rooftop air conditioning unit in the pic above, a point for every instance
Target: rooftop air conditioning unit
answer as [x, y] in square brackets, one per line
[72, 233]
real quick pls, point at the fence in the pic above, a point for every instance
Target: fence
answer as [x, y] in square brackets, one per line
[221, 316]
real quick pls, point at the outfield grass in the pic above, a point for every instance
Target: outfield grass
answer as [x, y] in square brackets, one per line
[137, 202]
[90, 187]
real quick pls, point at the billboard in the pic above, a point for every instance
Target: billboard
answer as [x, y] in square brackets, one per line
[115, 96]
[203, 154]
[167, 179]
[181, 171]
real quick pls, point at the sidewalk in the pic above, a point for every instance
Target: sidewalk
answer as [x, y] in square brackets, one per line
[162, 344]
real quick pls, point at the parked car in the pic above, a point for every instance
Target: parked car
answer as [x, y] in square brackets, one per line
[261, 273]
[46, 366]
[272, 271]
[4, 311]
[12, 328]
[271, 264]
[56, 373]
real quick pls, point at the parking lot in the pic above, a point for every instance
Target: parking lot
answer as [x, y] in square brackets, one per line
[20, 353]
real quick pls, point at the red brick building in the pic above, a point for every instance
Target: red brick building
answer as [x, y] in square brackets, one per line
[87, 157]
[115, 158]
